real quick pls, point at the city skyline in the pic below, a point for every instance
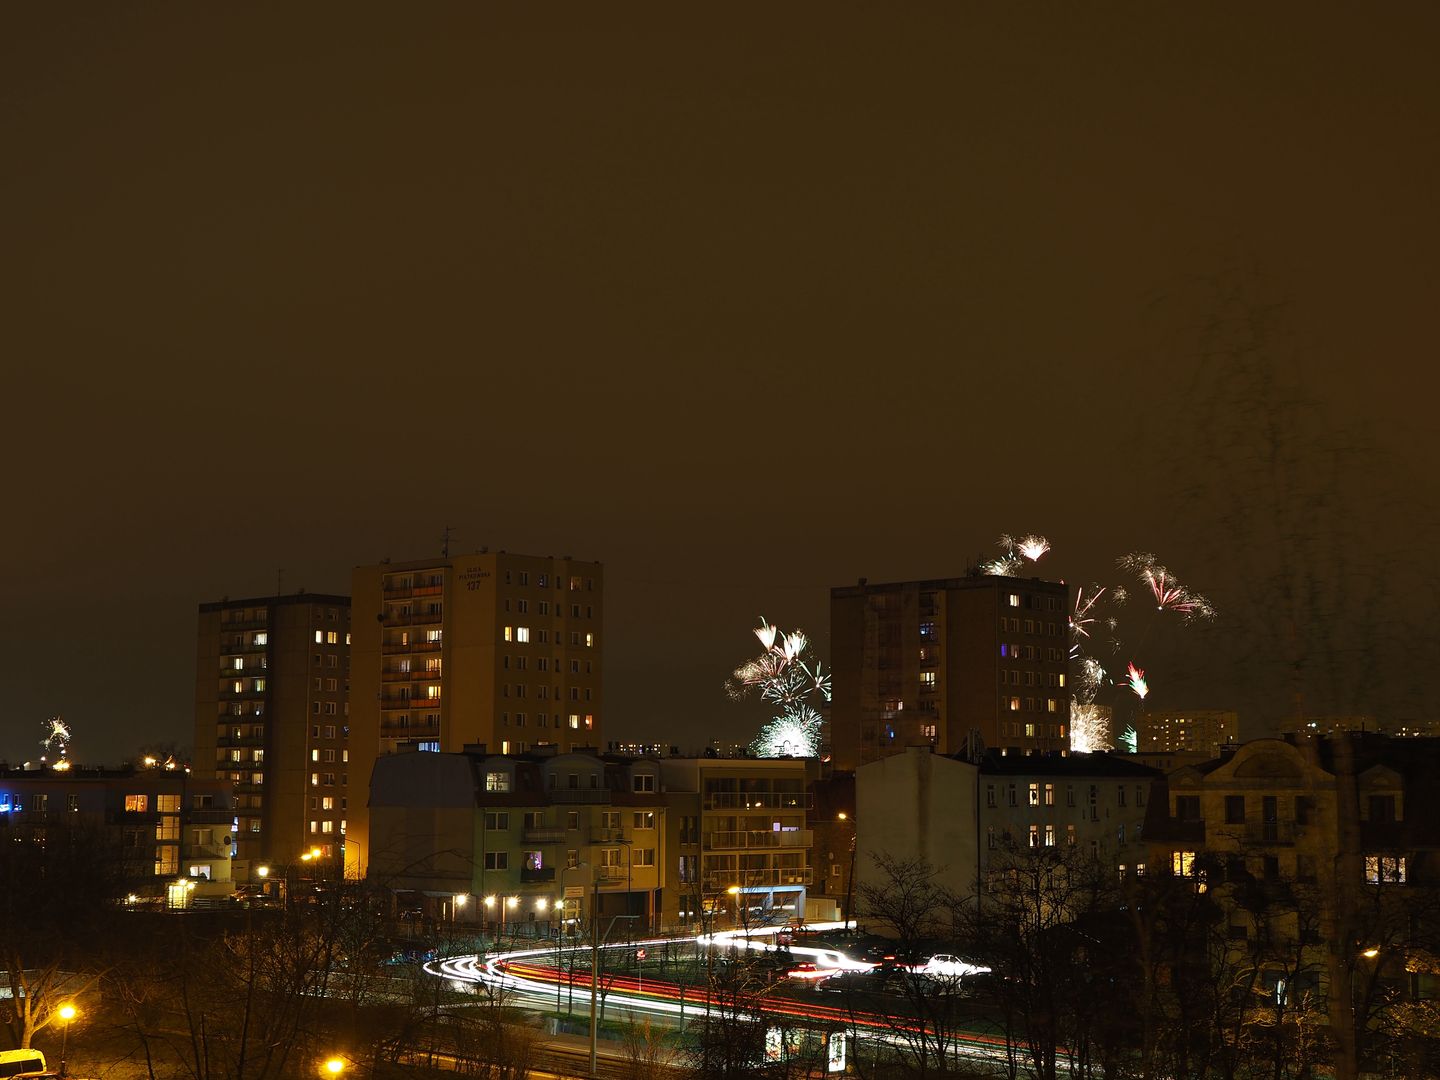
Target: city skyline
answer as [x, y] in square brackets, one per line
[741, 317]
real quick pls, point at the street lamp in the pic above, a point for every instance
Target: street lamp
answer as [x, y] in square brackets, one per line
[333, 1066]
[66, 1013]
[457, 906]
[734, 891]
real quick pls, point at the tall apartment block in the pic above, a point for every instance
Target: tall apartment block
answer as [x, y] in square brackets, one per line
[271, 679]
[490, 649]
[1179, 730]
[933, 663]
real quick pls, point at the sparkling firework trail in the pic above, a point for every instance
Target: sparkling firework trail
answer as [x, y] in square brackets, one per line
[1081, 617]
[1089, 728]
[57, 736]
[1137, 681]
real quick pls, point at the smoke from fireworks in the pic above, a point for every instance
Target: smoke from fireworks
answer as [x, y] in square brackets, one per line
[783, 676]
[1137, 681]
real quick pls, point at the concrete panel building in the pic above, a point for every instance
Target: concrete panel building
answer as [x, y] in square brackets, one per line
[491, 649]
[954, 664]
[271, 681]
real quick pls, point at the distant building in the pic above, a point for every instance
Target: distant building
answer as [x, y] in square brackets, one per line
[1333, 725]
[498, 650]
[951, 664]
[1202, 731]
[271, 681]
[956, 815]
[174, 832]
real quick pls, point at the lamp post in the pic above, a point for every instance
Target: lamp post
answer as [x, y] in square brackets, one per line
[66, 1012]
[334, 1066]
[457, 905]
[850, 877]
[489, 905]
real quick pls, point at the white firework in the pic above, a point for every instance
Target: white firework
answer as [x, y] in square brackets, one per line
[783, 677]
[57, 736]
[1089, 728]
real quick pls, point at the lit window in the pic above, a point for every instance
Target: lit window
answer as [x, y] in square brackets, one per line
[1014, 599]
[319, 637]
[137, 804]
[1034, 794]
[1182, 863]
[509, 633]
[497, 781]
[927, 680]
[1049, 835]
[1034, 836]
[522, 633]
[574, 721]
[589, 641]
[1049, 794]
[1385, 869]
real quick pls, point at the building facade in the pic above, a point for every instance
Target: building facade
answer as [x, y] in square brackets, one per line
[959, 816]
[496, 650]
[743, 837]
[1306, 842]
[551, 836]
[528, 842]
[174, 832]
[952, 664]
[1168, 731]
[271, 692]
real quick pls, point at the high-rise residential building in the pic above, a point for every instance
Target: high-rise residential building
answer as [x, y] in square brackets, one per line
[1194, 730]
[954, 664]
[271, 681]
[491, 649]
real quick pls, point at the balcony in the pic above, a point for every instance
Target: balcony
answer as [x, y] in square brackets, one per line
[545, 834]
[609, 875]
[1278, 833]
[719, 880]
[532, 876]
[608, 836]
[757, 800]
[759, 838]
[414, 618]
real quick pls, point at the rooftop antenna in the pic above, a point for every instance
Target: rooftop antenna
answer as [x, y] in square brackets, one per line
[445, 543]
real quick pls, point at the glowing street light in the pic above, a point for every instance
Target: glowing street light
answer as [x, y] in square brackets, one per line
[334, 1066]
[66, 1012]
[1371, 953]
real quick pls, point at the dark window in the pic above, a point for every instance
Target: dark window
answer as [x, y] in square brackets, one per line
[1382, 808]
[1187, 807]
[1234, 809]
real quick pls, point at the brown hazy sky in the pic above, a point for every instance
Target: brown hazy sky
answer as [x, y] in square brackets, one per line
[743, 301]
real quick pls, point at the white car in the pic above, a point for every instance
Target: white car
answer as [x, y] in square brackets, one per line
[948, 966]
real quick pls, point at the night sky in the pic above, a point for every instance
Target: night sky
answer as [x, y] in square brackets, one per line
[744, 303]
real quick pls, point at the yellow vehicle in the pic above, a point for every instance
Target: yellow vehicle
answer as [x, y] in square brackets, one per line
[21, 1063]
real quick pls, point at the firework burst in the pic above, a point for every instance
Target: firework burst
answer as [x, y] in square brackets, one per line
[1169, 594]
[1014, 551]
[1136, 677]
[57, 736]
[783, 676]
[1089, 728]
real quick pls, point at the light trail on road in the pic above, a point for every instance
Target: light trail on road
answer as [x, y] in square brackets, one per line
[535, 975]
